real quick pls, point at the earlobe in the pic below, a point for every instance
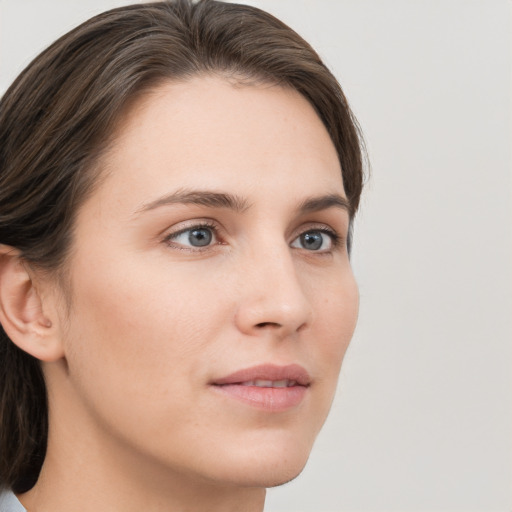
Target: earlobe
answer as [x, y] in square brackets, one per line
[23, 315]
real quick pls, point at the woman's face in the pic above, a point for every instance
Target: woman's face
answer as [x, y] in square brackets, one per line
[212, 294]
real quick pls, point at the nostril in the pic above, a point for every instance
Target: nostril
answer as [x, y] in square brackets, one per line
[266, 324]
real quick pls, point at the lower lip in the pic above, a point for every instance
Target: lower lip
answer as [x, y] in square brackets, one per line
[268, 399]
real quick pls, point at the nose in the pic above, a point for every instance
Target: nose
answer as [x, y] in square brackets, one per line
[272, 298]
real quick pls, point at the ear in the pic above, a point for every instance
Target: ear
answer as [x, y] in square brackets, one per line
[25, 317]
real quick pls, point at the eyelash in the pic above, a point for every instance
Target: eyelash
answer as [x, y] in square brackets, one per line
[202, 225]
[336, 238]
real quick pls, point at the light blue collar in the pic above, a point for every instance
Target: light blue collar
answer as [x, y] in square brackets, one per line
[9, 502]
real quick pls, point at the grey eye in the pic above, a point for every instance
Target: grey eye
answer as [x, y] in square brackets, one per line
[313, 241]
[200, 237]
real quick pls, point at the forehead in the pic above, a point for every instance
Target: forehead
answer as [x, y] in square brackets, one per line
[222, 134]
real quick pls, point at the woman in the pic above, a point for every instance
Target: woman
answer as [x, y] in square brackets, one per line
[177, 186]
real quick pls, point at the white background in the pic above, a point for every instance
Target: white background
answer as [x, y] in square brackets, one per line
[423, 417]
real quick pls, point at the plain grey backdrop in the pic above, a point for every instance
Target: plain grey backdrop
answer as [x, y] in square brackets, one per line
[423, 416]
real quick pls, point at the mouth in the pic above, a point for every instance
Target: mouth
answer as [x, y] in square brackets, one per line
[285, 383]
[269, 388]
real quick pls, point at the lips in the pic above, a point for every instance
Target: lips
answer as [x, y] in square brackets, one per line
[267, 387]
[268, 372]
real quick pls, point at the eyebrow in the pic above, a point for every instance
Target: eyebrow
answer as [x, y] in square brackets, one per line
[316, 204]
[201, 198]
[238, 204]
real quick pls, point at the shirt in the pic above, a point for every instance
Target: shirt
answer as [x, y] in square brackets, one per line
[9, 502]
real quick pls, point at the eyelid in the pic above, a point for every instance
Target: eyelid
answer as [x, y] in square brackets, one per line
[169, 237]
[337, 238]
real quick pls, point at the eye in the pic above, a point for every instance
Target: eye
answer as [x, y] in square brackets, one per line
[195, 236]
[315, 240]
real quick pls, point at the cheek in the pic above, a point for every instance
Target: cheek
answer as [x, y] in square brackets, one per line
[128, 324]
[139, 349]
[341, 311]
[337, 309]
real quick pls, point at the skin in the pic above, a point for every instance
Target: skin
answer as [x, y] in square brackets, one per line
[134, 422]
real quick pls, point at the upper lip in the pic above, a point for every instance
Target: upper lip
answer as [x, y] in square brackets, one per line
[292, 372]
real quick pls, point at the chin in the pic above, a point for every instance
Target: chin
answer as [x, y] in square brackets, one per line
[269, 478]
[270, 468]
[285, 477]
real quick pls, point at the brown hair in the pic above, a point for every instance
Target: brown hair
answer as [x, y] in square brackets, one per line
[59, 114]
